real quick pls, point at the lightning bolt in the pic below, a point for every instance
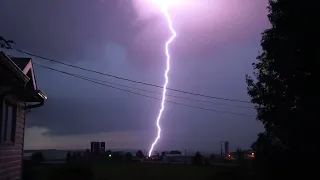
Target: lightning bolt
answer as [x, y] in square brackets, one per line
[165, 12]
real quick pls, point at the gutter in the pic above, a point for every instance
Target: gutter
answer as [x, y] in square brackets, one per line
[39, 94]
[34, 105]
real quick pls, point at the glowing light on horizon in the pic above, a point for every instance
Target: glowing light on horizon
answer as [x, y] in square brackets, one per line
[163, 5]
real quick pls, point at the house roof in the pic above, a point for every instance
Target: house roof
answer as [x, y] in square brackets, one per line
[25, 65]
[23, 69]
[21, 62]
[9, 68]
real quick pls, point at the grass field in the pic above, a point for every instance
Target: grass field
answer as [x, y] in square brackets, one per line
[138, 171]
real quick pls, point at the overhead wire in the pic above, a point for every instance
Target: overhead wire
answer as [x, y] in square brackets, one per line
[155, 92]
[130, 80]
[139, 94]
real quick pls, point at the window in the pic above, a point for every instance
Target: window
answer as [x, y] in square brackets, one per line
[8, 123]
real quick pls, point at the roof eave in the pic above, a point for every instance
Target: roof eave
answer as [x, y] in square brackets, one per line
[17, 71]
[32, 96]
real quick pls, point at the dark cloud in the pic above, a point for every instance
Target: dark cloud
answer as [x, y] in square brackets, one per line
[66, 30]
[92, 115]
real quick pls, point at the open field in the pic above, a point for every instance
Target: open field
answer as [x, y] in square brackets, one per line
[138, 171]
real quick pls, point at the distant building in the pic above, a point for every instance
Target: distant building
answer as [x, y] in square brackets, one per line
[98, 147]
[102, 147]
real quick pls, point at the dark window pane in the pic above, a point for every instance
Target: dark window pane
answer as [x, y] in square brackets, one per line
[10, 122]
[3, 123]
[7, 130]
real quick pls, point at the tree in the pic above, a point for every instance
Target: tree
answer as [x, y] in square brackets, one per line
[240, 154]
[108, 152]
[283, 89]
[140, 154]
[128, 157]
[212, 157]
[68, 156]
[197, 159]
[116, 156]
[163, 153]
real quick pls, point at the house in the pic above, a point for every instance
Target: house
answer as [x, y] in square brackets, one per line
[18, 93]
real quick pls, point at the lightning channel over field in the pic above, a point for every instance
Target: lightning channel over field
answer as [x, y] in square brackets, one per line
[165, 12]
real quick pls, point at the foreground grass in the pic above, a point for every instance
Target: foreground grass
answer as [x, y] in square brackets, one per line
[153, 171]
[137, 171]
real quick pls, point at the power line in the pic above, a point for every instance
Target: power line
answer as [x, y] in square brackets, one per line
[170, 95]
[125, 90]
[145, 90]
[130, 80]
[94, 79]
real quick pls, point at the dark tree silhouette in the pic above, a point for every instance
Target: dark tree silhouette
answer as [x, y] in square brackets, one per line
[128, 157]
[108, 152]
[140, 154]
[117, 156]
[285, 89]
[197, 159]
[68, 156]
[240, 154]
[163, 153]
[212, 157]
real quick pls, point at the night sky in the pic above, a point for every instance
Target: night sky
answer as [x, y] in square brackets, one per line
[216, 44]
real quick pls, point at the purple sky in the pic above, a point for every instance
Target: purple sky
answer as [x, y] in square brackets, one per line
[214, 49]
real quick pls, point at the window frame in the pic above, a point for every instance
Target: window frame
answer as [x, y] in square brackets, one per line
[4, 140]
